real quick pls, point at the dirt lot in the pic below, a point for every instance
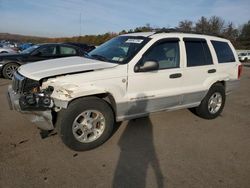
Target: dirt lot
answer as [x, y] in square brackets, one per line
[169, 149]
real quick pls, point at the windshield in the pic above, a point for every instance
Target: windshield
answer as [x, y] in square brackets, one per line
[119, 50]
[30, 49]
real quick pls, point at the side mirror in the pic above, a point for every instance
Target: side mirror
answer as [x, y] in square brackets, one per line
[147, 66]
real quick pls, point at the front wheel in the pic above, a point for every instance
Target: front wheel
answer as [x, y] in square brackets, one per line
[9, 70]
[213, 103]
[86, 123]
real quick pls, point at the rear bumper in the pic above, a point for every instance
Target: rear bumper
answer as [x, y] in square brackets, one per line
[43, 119]
[232, 85]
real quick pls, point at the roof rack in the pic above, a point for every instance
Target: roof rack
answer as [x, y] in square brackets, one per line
[176, 30]
[166, 30]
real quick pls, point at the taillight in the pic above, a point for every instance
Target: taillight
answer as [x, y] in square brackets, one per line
[239, 71]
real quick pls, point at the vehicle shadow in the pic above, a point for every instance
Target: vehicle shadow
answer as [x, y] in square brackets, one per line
[137, 154]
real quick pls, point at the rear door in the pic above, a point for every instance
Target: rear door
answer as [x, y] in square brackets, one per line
[198, 69]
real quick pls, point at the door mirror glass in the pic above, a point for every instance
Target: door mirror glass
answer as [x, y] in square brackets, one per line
[147, 66]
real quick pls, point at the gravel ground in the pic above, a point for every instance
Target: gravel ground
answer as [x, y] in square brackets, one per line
[168, 149]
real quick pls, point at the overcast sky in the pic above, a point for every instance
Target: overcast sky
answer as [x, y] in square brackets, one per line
[55, 18]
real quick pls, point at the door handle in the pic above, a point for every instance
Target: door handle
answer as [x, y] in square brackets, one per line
[211, 71]
[176, 75]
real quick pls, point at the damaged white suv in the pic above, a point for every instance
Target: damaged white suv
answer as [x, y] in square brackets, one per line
[127, 77]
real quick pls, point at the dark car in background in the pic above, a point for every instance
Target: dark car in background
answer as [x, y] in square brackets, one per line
[9, 63]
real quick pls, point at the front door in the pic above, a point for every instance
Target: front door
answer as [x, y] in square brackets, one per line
[159, 89]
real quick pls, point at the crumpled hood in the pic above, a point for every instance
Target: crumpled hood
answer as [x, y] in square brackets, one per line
[54, 67]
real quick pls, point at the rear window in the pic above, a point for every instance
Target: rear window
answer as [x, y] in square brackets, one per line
[223, 51]
[198, 53]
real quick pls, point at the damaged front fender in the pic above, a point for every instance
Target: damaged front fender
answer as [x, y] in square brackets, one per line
[63, 94]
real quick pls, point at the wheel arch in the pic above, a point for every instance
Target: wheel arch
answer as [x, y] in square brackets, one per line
[108, 97]
[6, 63]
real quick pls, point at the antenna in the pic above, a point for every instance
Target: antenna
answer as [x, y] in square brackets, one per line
[80, 24]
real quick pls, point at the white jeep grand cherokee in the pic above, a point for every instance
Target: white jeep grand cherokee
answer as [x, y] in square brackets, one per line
[127, 77]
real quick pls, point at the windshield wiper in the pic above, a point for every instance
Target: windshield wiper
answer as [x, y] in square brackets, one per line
[99, 57]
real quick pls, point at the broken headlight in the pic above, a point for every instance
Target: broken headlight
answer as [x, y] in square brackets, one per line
[35, 98]
[31, 86]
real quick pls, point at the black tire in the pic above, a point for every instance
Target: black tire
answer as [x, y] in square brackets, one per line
[9, 69]
[67, 117]
[3, 52]
[203, 110]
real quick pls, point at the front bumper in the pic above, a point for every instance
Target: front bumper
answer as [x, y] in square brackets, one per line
[43, 119]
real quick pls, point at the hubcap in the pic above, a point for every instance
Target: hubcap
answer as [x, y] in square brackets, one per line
[10, 70]
[214, 103]
[88, 126]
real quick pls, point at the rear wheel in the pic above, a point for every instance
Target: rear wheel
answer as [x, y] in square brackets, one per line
[86, 123]
[9, 69]
[213, 103]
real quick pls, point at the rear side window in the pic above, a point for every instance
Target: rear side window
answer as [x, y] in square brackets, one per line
[223, 51]
[65, 50]
[198, 53]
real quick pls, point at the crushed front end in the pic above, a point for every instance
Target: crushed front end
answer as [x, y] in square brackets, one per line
[26, 96]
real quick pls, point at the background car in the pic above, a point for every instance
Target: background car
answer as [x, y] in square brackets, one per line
[25, 46]
[244, 57]
[9, 63]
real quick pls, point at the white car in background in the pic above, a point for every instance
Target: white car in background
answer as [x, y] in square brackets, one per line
[6, 50]
[244, 56]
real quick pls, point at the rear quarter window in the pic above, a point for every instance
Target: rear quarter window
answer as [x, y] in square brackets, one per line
[223, 51]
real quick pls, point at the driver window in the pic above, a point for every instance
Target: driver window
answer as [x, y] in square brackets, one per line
[165, 53]
[48, 51]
